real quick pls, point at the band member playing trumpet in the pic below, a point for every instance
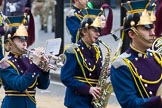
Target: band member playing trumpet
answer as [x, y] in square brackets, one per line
[21, 76]
[136, 75]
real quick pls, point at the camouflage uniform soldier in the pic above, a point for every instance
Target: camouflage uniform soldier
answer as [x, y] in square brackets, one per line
[37, 9]
[49, 7]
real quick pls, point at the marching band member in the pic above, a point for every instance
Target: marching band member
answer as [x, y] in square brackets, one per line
[82, 68]
[20, 76]
[136, 74]
[74, 18]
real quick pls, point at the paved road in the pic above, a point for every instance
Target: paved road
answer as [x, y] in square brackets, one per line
[53, 97]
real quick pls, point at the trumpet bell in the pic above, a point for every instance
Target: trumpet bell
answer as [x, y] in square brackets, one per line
[61, 60]
[50, 61]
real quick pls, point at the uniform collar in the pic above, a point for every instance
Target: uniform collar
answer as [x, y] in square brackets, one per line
[14, 55]
[137, 53]
[84, 44]
[76, 8]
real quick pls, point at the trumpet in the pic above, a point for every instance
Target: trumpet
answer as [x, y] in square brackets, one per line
[51, 61]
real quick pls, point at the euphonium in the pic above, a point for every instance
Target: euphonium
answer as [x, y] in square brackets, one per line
[54, 62]
[157, 45]
[103, 82]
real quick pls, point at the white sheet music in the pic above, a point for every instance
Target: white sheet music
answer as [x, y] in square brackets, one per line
[53, 46]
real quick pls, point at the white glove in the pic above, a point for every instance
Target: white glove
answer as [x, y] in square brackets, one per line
[12, 8]
[37, 55]
[39, 58]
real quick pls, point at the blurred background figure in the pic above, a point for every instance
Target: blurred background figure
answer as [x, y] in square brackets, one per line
[158, 23]
[112, 3]
[97, 3]
[2, 30]
[74, 17]
[1, 1]
[37, 9]
[49, 7]
[14, 7]
[29, 3]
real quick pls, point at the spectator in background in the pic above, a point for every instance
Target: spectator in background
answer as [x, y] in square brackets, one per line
[38, 9]
[29, 3]
[113, 3]
[158, 23]
[14, 7]
[1, 1]
[2, 30]
[49, 6]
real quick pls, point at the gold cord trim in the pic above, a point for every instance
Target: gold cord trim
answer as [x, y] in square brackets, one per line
[84, 62]
[133, 70]
[81, 66]
[158, 59]
[26, 91]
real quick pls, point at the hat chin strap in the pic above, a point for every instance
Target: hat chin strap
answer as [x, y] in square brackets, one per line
[138, 34]
[19, 52]
[89, 36]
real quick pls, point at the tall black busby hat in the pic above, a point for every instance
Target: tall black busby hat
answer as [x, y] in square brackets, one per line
[139, 13]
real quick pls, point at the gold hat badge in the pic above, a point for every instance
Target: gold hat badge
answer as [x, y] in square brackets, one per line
[21, 31]
[144, 7]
